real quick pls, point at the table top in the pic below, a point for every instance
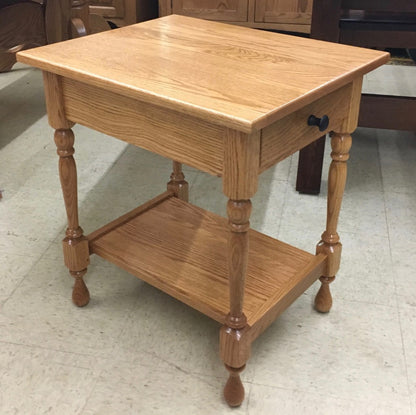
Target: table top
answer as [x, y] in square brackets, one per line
[234, 76]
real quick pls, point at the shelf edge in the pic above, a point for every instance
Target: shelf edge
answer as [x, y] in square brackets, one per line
[268, 313]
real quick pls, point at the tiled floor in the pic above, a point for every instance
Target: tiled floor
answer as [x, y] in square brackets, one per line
[134, 350]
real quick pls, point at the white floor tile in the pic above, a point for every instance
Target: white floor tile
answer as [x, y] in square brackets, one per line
[401, 216]
[41, 381]
[397, 159]
[266, 400]
[15, 268]
[40, 311]
[404, 263]
[190, 339]
[408, 322]
[355, 350]
[128, 387]
[134, 350]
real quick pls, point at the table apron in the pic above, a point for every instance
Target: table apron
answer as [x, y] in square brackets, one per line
[174, 135]
[193, 141]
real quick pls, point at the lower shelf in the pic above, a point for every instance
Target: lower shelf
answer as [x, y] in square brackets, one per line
[182, 250]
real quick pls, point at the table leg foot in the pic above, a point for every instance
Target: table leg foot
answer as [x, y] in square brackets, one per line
[234, 389]
[80, 293]
[323, 299]
[177, 184]
[235, 345]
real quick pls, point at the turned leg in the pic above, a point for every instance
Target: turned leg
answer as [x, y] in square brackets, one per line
[234, 342]
[75, 245]
[177, 183]
[330, 244]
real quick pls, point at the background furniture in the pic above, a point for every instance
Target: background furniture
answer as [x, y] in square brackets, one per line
[367, 23]
[125, 12]
[27, 24]
[30, 23]
[287, 15]
[237, 110]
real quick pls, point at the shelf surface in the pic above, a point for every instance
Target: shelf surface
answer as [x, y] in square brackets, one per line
[182, 250]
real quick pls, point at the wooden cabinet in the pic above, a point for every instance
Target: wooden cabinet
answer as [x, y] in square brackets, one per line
[124, 12]
[287, 15]
[288, 12]
[223, 10]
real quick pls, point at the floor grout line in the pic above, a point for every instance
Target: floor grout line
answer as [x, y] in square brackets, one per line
[394, 276]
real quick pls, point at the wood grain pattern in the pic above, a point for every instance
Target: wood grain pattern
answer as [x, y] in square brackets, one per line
[55, 102]
[108, 8]
[80, 12]
[182, 250]
[21, 27]
[284, 11]
[57, 20]
[241, 164]
[354, 96]
[234, 389]
[290, 134]
[165, 7]
[187, 140]
[234, 347]
[323, 298]
[284, 27]
[177, 183]
[75, 245]
[182, 63]
[388, 111]
[80, 293]
[133, 11]
[76, 253]
[278, 303]
[330, 244]
[111, 226]
[311, 156]
[64, 140]
[238, 242]
[284, 15]
[310, 162]
[226, 100]
[230, 10]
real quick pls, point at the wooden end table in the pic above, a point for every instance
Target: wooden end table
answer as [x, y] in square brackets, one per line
[229, 101]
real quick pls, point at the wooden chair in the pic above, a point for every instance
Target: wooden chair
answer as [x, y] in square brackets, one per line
[366, 23]
[30, 23]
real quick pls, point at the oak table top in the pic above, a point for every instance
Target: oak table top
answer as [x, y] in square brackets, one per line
[227, 100]
[251, 80]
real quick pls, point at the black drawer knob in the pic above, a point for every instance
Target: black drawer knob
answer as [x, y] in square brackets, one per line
[321, 123]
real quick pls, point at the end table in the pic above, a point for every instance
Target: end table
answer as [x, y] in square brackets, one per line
[227, 100]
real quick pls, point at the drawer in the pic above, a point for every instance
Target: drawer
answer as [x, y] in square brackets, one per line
[291, 133]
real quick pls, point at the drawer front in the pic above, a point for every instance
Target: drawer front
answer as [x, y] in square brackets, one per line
[229, 10]
[292, 133]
